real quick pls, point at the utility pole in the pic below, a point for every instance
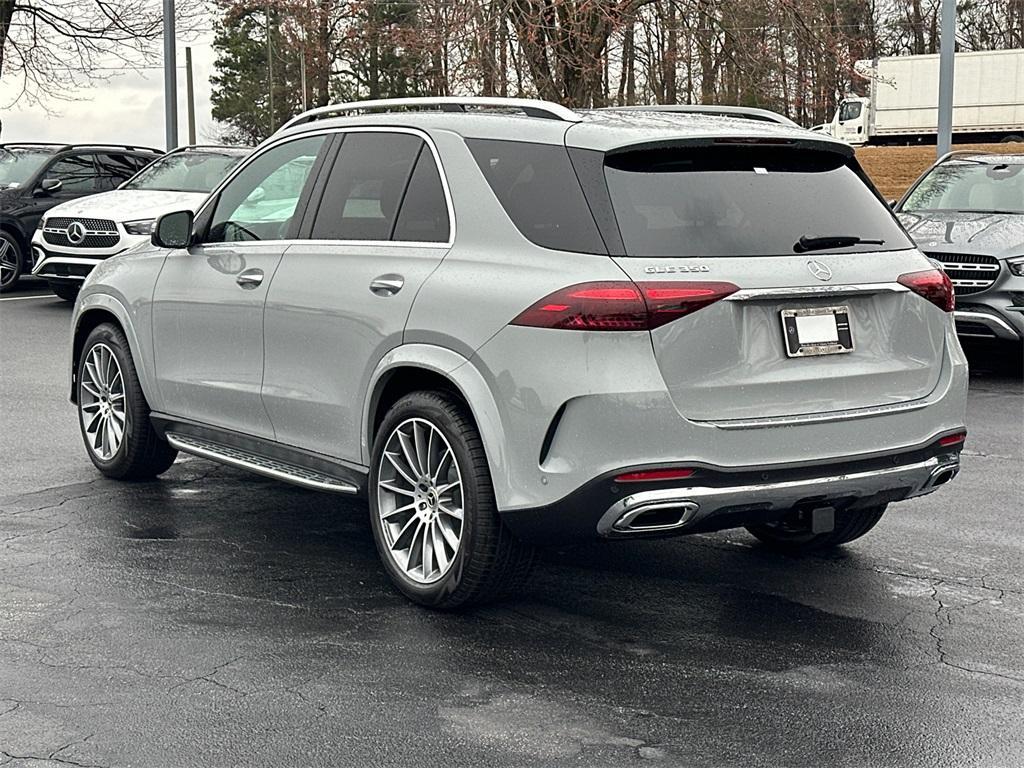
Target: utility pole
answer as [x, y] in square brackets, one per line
[170, 79]
[946, 51]
[302, 77]
[270, 74]
[191, 96]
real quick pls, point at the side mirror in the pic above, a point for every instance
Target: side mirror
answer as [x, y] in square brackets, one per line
[48, 187]
[173, 230]
[256, 195]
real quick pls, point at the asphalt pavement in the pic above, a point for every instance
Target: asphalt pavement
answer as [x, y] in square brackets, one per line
[213, 618]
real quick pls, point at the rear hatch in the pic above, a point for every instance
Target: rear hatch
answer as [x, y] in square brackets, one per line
[812, 328]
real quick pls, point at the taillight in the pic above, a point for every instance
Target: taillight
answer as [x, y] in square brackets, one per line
[622, 306]
[932, 284]
[652, 475]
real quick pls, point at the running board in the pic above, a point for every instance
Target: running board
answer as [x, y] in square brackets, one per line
[279, 470]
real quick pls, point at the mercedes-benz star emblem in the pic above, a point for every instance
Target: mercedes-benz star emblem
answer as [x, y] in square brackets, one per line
[76, 233]
[819, 270]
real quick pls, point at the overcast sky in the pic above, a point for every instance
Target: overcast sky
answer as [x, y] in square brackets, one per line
[128, 109]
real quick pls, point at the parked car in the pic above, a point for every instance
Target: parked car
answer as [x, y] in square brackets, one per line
[717, 110]
[529, 324]
[75, 236]
[35, 177]
[967, 212]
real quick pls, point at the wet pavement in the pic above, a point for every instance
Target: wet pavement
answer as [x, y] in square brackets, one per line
[215, 618]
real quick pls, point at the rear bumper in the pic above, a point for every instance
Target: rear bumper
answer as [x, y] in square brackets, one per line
[715, 498]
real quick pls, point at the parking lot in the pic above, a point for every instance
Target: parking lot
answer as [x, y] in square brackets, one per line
[216, 618]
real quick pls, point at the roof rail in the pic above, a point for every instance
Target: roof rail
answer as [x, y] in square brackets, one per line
[531, 107]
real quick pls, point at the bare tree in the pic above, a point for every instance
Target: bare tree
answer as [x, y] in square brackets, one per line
[53, 47]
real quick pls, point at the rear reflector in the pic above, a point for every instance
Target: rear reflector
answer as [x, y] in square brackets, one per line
[932, 284]
[949, 440]
[650, 475]
[622, 306]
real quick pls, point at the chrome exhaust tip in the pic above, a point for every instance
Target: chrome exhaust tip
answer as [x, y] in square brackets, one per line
[942, 475]
[656, 517]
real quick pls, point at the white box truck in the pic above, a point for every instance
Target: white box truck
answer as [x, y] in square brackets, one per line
[903, 98]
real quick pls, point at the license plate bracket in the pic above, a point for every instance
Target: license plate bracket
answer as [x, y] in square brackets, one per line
[814, 331]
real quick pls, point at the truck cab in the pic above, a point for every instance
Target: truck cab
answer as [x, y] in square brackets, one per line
[852, 120]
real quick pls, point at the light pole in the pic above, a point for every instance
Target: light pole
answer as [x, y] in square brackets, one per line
[170, 78]
[948, 46]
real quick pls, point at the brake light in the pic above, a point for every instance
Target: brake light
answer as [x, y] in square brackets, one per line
[622, 306]
[932, 284]
[956, 439]
[650, 475]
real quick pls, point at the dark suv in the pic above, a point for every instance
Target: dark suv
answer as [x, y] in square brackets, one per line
[35, 177]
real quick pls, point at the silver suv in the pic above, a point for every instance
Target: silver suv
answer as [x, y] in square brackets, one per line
[967, 212]
[505, 323]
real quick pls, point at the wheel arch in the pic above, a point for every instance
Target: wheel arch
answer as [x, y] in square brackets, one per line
[416, 367]
[94, 310]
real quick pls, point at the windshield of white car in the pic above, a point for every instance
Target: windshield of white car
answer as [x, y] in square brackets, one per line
[185, 172]
[970, 186]
[17, 164]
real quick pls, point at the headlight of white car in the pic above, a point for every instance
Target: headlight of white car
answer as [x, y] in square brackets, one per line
[139, 227]
[1016, 265]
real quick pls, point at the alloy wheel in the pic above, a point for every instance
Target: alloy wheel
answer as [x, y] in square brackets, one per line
[102, 402]
[420, 501]
[8, 261]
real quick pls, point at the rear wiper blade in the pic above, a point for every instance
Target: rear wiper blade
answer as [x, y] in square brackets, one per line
[806, 243]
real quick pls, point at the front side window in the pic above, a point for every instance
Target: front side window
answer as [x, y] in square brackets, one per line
[538, 189]
[850, 110]
[188, 171]
[18, 164]
[741, 201]
[77, 174]
[968, 185]
[366, 186]
[259, 203]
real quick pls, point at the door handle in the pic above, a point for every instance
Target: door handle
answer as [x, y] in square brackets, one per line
[250, 278]
[387, 285]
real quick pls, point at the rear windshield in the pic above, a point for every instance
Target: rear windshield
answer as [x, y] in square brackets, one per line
[538, 189]
[743, 201]
[970, 186]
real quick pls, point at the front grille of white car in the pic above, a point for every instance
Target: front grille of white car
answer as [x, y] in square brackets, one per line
[94, 233]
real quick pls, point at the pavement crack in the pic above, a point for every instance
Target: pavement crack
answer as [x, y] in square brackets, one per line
[51, 758]
[231, 595]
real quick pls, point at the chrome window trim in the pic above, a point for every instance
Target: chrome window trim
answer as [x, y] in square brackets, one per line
[449, 204]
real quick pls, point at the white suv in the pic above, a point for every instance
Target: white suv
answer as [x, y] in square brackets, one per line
[75, 236]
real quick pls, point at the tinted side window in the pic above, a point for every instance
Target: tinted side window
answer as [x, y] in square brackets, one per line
[77, 173]
[114, 169]
[365, 186]
[538, 188]
[258, 203]
[423, 216]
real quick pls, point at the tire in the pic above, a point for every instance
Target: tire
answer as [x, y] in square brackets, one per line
[107, 376]
[12, 262]
[1011, 139]
[794, 536]
[486, 562]
[66, 291]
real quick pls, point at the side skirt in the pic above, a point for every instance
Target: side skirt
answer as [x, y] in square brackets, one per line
[264, 457]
